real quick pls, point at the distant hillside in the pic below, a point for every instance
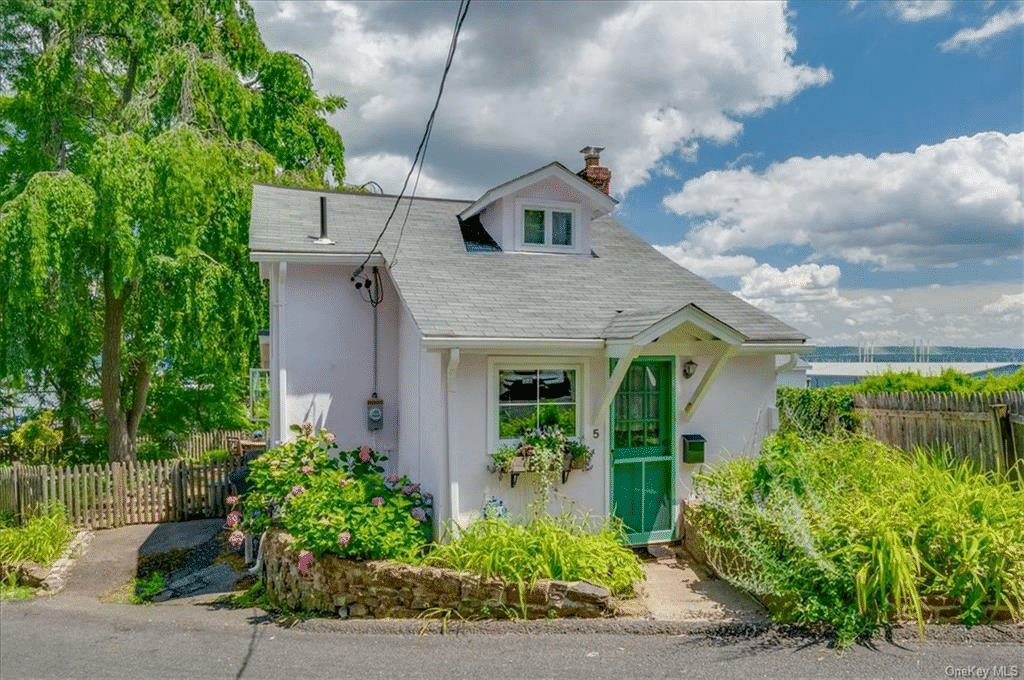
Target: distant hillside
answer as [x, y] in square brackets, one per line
[935, 354]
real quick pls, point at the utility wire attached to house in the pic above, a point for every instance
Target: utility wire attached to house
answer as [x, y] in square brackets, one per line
[421, 150]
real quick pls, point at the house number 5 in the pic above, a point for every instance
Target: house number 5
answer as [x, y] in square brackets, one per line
[596, 433]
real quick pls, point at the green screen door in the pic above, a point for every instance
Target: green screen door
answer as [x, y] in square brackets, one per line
[642, 462]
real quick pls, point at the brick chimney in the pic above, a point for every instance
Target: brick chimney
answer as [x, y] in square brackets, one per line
[593, 171]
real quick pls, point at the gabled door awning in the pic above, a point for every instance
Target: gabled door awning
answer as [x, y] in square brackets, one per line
[631, 331]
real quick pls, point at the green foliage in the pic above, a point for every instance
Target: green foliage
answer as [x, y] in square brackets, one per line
[36, 435]
[545, 452]
[850, 532]
[42, 539]
[817, 410]
[336, 502]
[949, 380]
[563, 548]
[145, 588]
[131, 136]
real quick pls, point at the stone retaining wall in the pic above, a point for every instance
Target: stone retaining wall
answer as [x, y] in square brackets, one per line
[386, 589]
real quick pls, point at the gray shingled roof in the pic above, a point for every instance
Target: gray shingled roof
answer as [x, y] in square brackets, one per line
[454, 293]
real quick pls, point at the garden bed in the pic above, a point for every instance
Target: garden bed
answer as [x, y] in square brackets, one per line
[387, 589]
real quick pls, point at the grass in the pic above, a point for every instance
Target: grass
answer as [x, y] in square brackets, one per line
[850, 532]
[562, 548]
[42, 539]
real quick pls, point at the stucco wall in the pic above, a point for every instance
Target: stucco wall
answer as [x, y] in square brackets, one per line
[736, 414]
[329, 355]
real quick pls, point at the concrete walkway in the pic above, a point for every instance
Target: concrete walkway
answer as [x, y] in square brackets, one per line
[678, 589]
[112, 557]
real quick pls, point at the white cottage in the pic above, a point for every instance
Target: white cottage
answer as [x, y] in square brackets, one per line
[468, 320]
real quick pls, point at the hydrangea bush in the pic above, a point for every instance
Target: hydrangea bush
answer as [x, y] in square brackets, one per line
[333, 502]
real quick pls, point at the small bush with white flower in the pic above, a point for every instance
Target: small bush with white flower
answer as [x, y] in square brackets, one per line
[332, 502]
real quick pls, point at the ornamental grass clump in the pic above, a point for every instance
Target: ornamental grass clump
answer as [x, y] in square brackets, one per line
[853, 533]
[563, 548]
[333, 502]
[41, 540]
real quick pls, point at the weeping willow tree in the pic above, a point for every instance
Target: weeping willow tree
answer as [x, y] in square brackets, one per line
[130, 136]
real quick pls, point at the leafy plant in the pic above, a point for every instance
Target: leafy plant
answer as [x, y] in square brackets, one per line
[335, 502]
[546, 547]
[42, 539]
[850, 532]
[146, 588]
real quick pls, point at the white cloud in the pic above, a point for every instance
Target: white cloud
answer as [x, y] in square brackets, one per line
[706, 264]
[938, 205]
[802, 281]
[941, 314]
[919, 10]
[644, 80]
[390, 171]
[996, 24]
[1006, 304]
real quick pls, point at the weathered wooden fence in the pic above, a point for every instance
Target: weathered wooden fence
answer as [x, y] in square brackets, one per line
[116, 494]
[986, 428]
[195, 445]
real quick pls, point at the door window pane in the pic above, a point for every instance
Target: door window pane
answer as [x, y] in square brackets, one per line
[533, 227]
[561, 228]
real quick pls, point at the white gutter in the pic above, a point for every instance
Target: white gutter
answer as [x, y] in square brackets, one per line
[354, 259]
[453, 484]
[789, 365]
[515, 344]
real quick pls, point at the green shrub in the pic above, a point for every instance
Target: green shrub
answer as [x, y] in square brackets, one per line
[213, 456]
[850, 532]
[42, 540]
[815, 410]
[544, 548]
[335, 502]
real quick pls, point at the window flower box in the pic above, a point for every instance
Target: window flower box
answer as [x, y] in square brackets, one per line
[544, 452]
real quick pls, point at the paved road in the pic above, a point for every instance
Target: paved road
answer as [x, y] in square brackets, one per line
[78, 638]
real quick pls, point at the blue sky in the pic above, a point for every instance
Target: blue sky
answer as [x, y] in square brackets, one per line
[853, 167]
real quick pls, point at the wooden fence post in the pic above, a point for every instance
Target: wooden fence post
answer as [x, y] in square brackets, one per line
[1003, 435]
[120, 494]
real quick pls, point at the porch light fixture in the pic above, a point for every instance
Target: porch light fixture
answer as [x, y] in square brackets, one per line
[689, 368]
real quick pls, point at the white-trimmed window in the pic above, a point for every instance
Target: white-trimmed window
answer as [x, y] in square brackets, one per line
[529, 395]
[547, 226]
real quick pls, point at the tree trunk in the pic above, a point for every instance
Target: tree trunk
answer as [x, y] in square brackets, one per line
[141, 383]
[110, 376]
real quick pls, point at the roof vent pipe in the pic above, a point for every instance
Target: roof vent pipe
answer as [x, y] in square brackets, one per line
[322, 240]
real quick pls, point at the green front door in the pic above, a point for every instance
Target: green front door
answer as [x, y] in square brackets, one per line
[643, 467]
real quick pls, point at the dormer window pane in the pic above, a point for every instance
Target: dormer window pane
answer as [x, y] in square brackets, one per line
[561, 228]
[533, 224]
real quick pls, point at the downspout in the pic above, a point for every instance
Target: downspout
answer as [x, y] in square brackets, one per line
[279, 374]
[453, 484]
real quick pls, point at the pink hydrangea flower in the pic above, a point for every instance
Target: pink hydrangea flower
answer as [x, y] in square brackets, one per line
[418, 514]
[232, 501]
[296, 490]
[344, 537]
[307, 469]
[234, 518]
[345, 481]
[236, 538]
[364, 454]
[307, 427]
[377, 501]
[305, 559]
[328, 436]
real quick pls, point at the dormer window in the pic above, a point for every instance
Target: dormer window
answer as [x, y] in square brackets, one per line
[547, 226]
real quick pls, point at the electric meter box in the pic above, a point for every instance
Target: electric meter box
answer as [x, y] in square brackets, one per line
[693, 448]
[374, 414]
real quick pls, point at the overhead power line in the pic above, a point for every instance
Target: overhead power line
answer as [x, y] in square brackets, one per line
[421, 150]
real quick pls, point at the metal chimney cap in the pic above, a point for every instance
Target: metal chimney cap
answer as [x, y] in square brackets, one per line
[591, 150]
